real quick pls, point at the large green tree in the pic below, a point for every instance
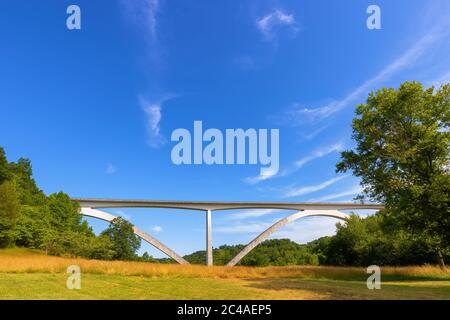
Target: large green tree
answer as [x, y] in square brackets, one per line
[126, 243]
[402, 157]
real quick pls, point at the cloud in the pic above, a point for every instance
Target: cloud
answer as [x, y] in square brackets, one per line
[250, 214]
[157, 229]
[152, 110]
[319, 153]
[301, 115]
[312, 134]
[350, 192]
[307, 229]
[277, 18]
[153, 113]
[302, 231]
[300, 191]
[110, 169]
[265, 175]
[143, 14]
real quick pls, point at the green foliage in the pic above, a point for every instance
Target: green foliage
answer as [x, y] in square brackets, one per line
[276, 252]
[358, 242]
[9, 210]
[4, 166]
[148, 258]
[126, 243]
[34, 229]
[29, 218]
[29, 193]
[65, 213]
[366, 241]
[402, 157]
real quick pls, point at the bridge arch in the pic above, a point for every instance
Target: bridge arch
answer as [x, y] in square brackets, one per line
[89, 207]
[102, 215]
[277, 225]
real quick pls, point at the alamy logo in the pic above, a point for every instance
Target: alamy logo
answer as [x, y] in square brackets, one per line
[374, 280]
[240, 147]
[73, 21]
[373, 22]
[74, 280]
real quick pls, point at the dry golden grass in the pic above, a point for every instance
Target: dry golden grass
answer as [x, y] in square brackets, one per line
[30, 261]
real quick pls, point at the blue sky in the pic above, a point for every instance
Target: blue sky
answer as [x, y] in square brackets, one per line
[94, 108]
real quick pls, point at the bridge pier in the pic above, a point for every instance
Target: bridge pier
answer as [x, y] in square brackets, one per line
[209, 248]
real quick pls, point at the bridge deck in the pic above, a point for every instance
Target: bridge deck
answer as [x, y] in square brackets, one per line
[221, 205]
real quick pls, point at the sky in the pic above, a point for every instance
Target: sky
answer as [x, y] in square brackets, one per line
[94, 108]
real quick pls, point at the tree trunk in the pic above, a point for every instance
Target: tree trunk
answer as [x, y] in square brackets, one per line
[441, 259]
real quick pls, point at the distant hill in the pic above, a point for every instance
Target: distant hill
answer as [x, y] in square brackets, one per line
[276, 252]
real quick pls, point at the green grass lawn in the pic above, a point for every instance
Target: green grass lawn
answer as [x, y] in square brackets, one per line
[98, 286]
[30, 274]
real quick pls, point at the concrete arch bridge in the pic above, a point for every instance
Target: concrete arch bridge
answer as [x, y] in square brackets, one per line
[90, 207]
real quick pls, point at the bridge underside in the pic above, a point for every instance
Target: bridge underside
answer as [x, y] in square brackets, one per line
[89, 207]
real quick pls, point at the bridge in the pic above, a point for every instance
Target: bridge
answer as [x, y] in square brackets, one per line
[90, 207]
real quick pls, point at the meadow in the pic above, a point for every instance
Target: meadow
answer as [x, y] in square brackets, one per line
[30, 274]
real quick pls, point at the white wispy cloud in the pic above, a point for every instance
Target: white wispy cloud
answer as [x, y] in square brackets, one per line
[307, 229]
[275, 19]
[301, 115]
[250, 214]
[157, 229]
[110, 169]
[143, 13]
[265, 175]
[316, 154]
[338, 195]
[319, 153]
[153, 112]
[300, 191]
[301, 231]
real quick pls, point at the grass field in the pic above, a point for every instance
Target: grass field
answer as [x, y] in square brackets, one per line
[27, 274]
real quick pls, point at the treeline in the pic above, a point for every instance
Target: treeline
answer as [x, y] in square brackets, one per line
[276, 252]
[358, 242]
[371, 240]
[29, 218]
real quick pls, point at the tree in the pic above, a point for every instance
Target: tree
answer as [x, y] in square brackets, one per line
[126, 243]
[402, 157]
[64, 212]
[366, 241]
[4, 166]
[9, 210]
[29, 193]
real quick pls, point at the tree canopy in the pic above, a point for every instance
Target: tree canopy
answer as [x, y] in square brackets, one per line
[126, 243]
[402, 157]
